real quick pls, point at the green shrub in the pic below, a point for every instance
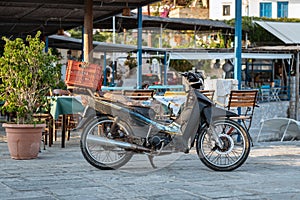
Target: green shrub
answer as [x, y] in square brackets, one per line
[28, 74]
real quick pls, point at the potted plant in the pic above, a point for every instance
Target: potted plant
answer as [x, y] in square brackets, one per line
[28, 73]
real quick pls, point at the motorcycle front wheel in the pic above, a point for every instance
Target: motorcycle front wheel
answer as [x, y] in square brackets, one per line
[105, 156]
[235, 149]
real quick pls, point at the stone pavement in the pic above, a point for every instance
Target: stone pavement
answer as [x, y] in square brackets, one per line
[272, 171]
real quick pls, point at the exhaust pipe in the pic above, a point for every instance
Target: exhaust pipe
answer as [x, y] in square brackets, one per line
[114, 143]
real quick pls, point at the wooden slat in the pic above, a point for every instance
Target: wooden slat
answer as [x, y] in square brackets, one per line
[208, 93]
[242, 98]
[242, 104]
[138, 94]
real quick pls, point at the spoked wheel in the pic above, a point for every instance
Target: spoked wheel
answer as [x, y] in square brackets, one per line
[99, 154]
[234, 151]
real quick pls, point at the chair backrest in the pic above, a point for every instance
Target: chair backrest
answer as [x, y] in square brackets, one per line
[265, 89]
[265, 92]
[277, 82]
[246, 99]
[138, 94]
[209, 93]
[242, 98]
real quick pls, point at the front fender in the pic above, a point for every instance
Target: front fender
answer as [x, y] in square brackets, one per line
[87, 116]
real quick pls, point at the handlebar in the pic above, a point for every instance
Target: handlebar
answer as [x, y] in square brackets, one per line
[195, 79]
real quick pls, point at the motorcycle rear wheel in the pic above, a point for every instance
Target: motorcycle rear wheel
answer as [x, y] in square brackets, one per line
[236, 145]
[101, 156]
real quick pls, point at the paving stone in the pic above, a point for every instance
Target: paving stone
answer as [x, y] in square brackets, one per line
[271, 172]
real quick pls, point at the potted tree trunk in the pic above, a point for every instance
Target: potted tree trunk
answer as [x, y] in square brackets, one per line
[28, 73]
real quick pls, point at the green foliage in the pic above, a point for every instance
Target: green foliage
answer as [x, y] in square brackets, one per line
[181, 65]
[257, 35]
[97, 36]
[28, 74]
[131, 62]
[100, 37]
[76, 33]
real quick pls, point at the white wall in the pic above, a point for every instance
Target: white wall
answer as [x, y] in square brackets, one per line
[216, 8]
[254, 8]
[293, 8]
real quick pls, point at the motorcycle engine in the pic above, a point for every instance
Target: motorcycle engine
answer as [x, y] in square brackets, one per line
[160, 140]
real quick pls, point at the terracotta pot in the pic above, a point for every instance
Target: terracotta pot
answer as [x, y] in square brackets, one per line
[24, 140]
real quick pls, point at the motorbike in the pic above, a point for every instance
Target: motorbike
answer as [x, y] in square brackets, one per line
[117, 130]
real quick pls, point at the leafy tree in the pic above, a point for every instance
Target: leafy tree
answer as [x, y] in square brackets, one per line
[181, 65]
[257, 35]
[28, 74]
[97, 36]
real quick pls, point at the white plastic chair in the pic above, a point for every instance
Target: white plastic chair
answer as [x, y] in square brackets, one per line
[284, 126]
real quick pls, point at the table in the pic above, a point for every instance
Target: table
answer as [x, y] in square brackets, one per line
[64, 105]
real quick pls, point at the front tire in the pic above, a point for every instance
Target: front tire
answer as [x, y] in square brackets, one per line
[101, 156]
[235, 150]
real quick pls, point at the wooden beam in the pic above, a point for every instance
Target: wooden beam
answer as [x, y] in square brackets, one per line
[88, 31]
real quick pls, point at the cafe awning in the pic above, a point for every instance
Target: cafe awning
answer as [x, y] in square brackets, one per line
[130, 22]
[20, 18]
[288, 32]
[65, 42]
[226, 55]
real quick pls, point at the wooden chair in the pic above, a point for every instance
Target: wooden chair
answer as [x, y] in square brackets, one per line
[71, 120]
[138, 94]
[209, 93]
[243, 99]
[48, 131]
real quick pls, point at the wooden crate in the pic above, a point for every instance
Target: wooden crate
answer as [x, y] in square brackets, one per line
[83, 76]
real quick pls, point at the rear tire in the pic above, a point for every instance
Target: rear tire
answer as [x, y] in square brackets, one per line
[103, 156]
[236, 145]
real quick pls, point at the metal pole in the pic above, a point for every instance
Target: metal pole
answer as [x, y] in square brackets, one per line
[195, 32]
[104, 70]
[246, 39]
[46, 44]
[113, 58]
[139, 49]
[165, 68]
[238, 42]
[160, 36]
[297, 87]
[82, 43]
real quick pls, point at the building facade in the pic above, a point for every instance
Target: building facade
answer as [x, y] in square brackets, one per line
[225, 9]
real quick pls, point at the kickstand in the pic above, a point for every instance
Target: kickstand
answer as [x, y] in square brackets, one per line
[151, 161]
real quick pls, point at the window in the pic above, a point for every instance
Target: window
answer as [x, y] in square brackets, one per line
[265, 10]
[282, 9]
[226, 10]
